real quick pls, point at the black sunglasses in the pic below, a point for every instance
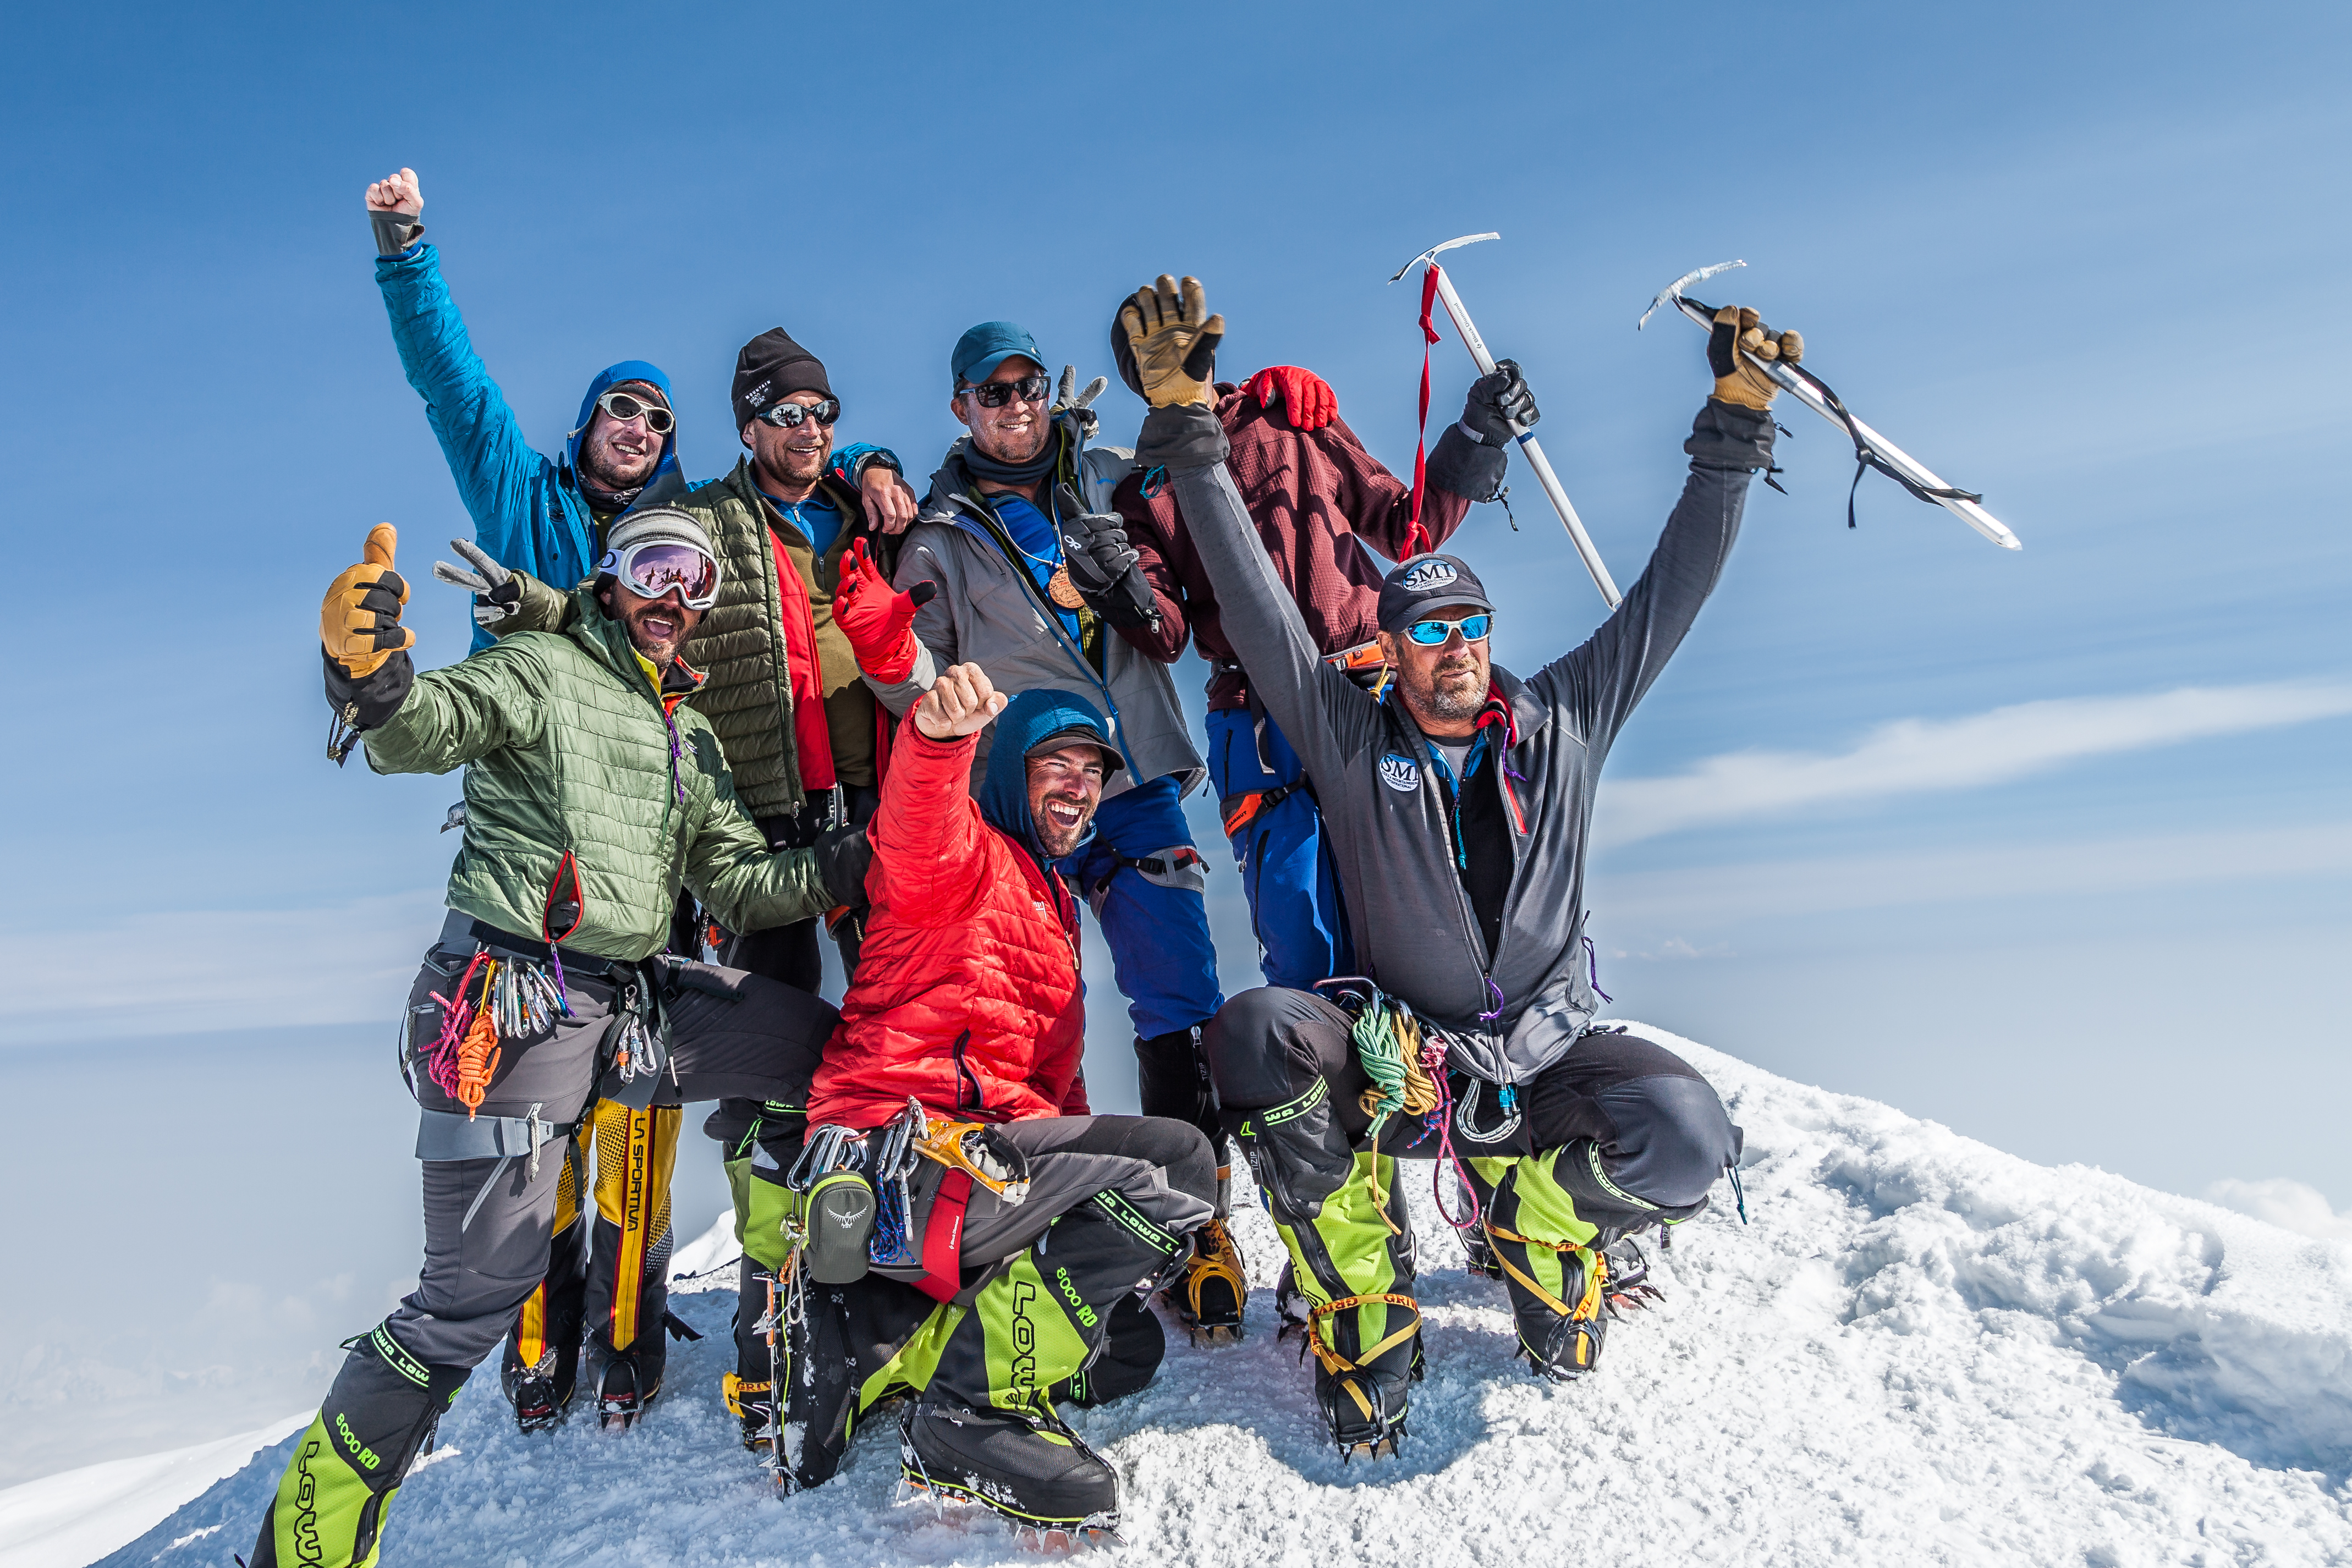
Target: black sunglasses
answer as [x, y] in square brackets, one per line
[785, 415]
[996, 395]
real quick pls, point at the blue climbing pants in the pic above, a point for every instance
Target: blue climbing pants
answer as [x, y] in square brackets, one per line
[1148, 886]
[1285, 861]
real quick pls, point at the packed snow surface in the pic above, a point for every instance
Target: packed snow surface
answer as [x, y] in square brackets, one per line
[1921, 1350]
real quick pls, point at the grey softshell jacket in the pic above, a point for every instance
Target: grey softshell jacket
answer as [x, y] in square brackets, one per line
[1416, 932]
[989, 612]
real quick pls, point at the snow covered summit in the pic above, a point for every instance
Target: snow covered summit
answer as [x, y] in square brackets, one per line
[1922, 1349]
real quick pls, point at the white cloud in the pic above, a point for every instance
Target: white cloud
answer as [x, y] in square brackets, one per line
[1665, 900]
[1912, 755]
[2289, 1204]
[190, 971]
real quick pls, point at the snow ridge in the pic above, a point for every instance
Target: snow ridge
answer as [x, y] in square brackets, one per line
[1922, 1349]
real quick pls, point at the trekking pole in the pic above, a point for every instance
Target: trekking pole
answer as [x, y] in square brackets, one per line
[1871, 449]
[1527, 443]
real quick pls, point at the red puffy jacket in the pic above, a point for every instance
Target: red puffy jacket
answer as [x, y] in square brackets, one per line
[968, 994]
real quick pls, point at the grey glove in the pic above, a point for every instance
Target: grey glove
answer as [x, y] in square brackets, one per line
[1103, 566]
[1499, 409]
[395, 232]
[844, 856]
[498, 593]
[1079, 406]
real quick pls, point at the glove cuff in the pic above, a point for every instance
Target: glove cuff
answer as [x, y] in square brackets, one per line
[1185, 436]
[1730, 435]
[1463, 465]
[395, 232]
[376, 696]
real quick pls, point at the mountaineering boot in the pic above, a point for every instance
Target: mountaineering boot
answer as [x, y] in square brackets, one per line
[984, 1428]
[347, 1468]
[627, 1297]
[1172, 1080]
[1130, 1355]
[750, 1389]
[540, 1369]
[1352, 1271]
[1555, 1279]
[1207, 1299]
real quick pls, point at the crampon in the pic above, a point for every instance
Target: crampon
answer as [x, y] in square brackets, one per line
[1207, 1299]
[1629, 1289]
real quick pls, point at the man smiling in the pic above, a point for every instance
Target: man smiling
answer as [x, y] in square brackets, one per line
[1028, 582]
[591, 794]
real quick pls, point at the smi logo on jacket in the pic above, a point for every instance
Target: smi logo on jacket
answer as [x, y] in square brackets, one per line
[1401, 774]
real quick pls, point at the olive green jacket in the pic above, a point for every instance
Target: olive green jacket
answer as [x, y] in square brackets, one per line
[569, 757]
[739, 645]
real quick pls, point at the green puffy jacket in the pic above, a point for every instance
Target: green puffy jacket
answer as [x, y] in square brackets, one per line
[568, 754]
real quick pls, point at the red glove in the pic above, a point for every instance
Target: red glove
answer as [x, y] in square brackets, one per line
[879, 624]
[1305, 396]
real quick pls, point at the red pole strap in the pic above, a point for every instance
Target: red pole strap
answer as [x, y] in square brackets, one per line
[1417, 538]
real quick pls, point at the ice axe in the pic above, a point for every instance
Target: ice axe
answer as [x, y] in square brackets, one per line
[1871, 450]
[1527, 443]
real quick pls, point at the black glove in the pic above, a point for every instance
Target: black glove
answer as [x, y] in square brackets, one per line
[843, 857]
[1102, 565]
[1499, 409]
[364, 702]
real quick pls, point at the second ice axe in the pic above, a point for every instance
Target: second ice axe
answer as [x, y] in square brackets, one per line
[1871, 450]
[1527, 443]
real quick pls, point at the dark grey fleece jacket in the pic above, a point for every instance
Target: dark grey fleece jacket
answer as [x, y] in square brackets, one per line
[1517, 1009]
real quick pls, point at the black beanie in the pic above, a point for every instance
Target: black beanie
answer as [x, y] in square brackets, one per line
[772, 366]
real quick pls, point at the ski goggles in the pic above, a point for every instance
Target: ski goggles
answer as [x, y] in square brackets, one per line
[652, 569]
[996, 395]
[627, 406]
[788, 416]
[1433, 633]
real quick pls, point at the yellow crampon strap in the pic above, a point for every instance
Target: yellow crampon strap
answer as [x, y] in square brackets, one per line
[944, 1143]
[1333, 1362]
[1588, 1305]
[735, 1387]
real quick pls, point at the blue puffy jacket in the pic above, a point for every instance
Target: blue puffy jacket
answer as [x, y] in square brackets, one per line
[528, 513]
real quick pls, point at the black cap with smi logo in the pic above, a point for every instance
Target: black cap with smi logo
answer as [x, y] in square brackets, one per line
[1427, 582]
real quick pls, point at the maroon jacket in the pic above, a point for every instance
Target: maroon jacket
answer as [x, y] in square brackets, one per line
[1322, 505]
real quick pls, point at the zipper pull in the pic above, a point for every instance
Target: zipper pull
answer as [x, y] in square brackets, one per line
[343, 732]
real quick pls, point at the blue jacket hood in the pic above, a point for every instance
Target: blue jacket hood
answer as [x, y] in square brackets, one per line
[1037, 715]
[606, 379]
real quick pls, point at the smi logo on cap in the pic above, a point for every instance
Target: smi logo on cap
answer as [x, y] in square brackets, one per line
[1430, 573]
[1401, 773]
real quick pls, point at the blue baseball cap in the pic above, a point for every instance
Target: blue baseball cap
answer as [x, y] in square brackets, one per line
[979, 352]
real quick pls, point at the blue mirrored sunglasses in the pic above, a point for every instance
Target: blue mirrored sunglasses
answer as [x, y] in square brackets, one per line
[1433, 634]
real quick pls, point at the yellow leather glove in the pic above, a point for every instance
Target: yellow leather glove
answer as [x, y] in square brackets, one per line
[359, 621]
[1175, 341]
[1736, 379]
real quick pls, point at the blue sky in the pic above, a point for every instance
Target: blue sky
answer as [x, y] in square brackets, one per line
[2083, 259]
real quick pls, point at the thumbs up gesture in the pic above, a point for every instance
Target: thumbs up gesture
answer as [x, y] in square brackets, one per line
[359, 621]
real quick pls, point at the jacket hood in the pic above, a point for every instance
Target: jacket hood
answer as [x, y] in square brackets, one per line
[606, 379]
[1037, 715]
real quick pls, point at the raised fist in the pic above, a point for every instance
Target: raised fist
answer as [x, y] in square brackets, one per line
[960, 703]
[396, 194]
